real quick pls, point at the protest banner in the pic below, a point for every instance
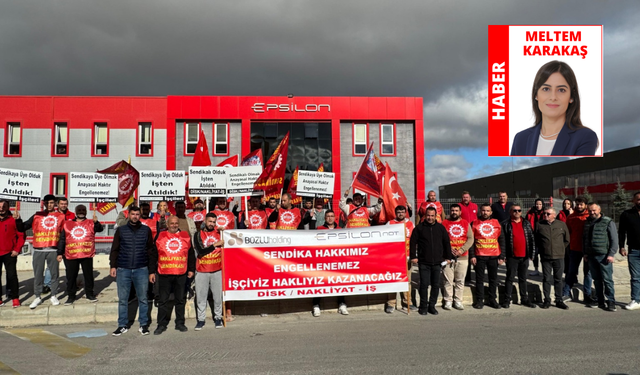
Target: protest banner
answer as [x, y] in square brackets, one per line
[162, 185]
[208, 181]
[90, 187]
[18, 185]
[240, 180]
[279, 264]
[315, 184]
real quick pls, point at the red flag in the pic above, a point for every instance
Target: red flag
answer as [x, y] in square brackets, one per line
[232, 161]
[201, 157]
[272, 177]
[393, 195]
[254, 158]
[321, 169]
[293, 186]
[105, 208]
[128, 180]
[368, 178]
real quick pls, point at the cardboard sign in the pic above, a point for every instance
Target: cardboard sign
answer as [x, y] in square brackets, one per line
[208, 181]
[315, 184]
[23, 186]
[240, 180]
[91, 187]
[162, 185]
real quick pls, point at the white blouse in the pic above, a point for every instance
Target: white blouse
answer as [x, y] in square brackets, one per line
[545, 146]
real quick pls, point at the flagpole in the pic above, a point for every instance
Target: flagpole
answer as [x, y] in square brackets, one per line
[224, 310]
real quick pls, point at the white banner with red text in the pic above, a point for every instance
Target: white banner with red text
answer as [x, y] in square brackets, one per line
[281, 264]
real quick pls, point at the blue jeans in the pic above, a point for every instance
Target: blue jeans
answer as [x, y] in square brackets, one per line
[140, 279]
[634, 269]
[602, 272]
[47, 277]
[575, 257]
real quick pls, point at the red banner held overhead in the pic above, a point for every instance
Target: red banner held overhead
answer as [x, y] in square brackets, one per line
[274, 264]
[293, 186]
[128, 180]
[272, 177]
[369, 176]
[254, 158]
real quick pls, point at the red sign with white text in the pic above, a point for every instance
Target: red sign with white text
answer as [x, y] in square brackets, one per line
[280, 264]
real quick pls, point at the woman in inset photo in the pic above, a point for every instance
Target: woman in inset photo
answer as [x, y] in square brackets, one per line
[558, 129]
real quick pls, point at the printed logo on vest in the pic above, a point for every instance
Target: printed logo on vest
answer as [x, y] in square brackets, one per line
[78, 233]
[287, 217]
[50, 222]
[198, 217]
[359, 212]
[222, 221]
[255, 220]
[173, 246]
[486, 229]
[456, 230]
[210, 240]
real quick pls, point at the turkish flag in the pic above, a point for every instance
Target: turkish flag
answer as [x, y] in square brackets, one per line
[392, 195]
[272, 177]
[368, 178]
[293, 187]
[232, 161]
[201, 157]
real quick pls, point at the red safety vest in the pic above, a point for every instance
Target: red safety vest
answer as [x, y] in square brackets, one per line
[211, 262]
[257, 219]
[486, 234]
[268, 211]
[79, 239]
[197, 216]
[358, 217]
[152, 224]
[408, 229]
[458, 233]
[173, 252]
[288, 219]
[423, 210]
[225, 219]
[46, 229]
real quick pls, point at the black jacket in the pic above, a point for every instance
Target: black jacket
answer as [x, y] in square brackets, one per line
[499, 213]
[629, 229]
[131, 246]
[551, 239]
[430, 243]
[507, 230]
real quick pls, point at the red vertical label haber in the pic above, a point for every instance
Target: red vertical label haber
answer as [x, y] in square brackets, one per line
[498, 88]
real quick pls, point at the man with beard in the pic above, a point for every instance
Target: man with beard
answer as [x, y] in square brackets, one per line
[535, 214]
[408, 225]
[257, 217]
[286, 217]
[461, 238]
[552, 237]
[11, 244]
[431, 202]
[487, 253]
[600, 244]
[198, 213]
[358, 214]
[430, 246]
[173, 260]
[272, 205]
[575, 223]
[207, 243]
[77, 245]
[630, 230]
[47, 225]
[226, 219]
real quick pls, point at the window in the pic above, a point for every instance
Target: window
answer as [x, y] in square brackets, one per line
[221, 139]
[145, 139]
[388, 139]
[13, 137]
[60, 142]
[100, 139]
[360, 139]
[58, 185]
[191, 135]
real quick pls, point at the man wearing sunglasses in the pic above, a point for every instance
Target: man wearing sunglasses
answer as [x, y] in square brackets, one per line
[552, 237]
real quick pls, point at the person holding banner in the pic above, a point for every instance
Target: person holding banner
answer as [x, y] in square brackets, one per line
[430, 248]
[198, 213]
[162, 214]
[47, 225]
[286, 217]
[78, 247]
[401, 219]
[316, 215]
[453, 274]
[487, 252]
[272, 205]
[257, 217]
[11, 244]
[172, 259]
[357, 213]
[208, 246]
[329, 223]
[226, 219]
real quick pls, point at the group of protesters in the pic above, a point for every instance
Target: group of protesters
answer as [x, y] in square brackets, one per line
[169, 253]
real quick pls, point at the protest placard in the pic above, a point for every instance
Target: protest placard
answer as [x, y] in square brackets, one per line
[315, 184]
[18, 185]
[90, 187]
[162, 185]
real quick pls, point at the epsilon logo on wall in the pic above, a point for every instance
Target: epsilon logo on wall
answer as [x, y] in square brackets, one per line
[263, 107]
[173, 246]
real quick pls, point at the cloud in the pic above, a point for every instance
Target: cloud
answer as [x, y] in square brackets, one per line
[442, 169]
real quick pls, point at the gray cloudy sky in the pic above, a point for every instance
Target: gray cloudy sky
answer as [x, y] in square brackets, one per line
[432, 49]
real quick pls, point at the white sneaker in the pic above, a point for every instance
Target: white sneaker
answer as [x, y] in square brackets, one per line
[316, 311]
[633, 305]
[342, 309]
[447, 305]
[458, 305]
[35, 303]
[54, 301]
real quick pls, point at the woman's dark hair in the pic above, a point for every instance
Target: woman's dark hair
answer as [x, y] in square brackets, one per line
[567, 200]
[573, 111]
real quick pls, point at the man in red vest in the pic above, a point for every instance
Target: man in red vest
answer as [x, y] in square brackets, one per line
[47, 225]
[198, 213]
[77, 245]
[257, 217]
[207, 243]
[286, 217]
[431, 202]
[226, 218]
[11, 244]
[487, 253]
[173, 260]
[401, 219]
[357, 213]
[461, 238]
[272, 205]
